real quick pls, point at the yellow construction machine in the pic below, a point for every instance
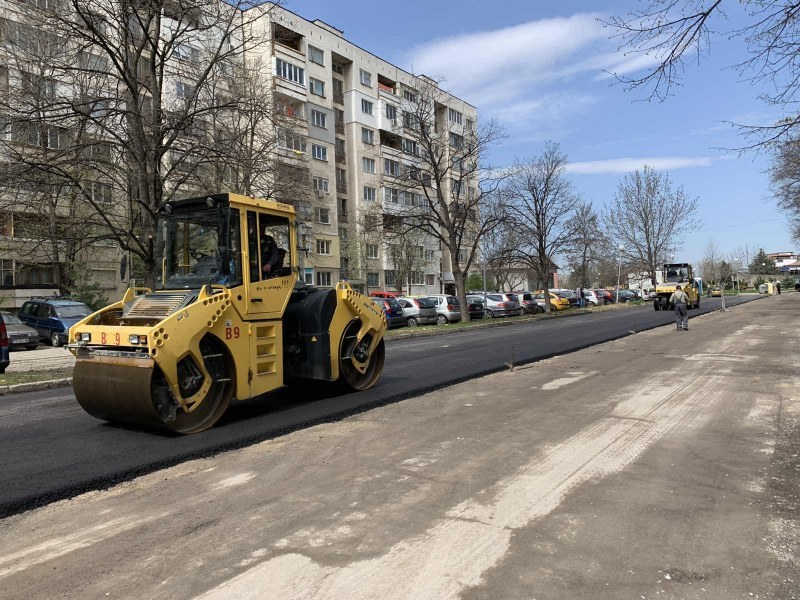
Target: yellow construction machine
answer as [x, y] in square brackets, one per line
[677, 274]
[230, 322]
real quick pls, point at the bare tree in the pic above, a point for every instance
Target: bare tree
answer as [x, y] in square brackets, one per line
[449, 194]
[677, 32]
[710, 265]
[785, 178]
[588, 241]
[542, 205]
[147, 79]
[741, 256]
[497, 251]
[650, 218]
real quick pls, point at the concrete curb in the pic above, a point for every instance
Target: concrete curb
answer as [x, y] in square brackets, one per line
[34, 386]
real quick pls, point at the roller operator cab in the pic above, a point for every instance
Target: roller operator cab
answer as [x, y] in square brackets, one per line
[677, 274]
[230, 322]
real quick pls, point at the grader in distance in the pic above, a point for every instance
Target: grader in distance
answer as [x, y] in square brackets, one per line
[230, 323]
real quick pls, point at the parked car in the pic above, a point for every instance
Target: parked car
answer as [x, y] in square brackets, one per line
[556, 301]
[447, 308]
[502, 305]
[570, 296]
[605, 295]
[627, 296]
[528, 303]
[52, 317]
[475, 306]
[19, 334]
[383, 295]
[714, 292]
[393, 311]
[592, 297]
[5, 358]
[418, 311]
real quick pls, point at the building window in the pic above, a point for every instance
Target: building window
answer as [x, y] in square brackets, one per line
[373, 279]
[320, 184]
[410, 147]
[290, 72]
[369, 165]
[315, 55]
[319, 152]
[323, 247]
[470, 126]
[372, 250]
[391, 112]
[323, 216]
[430, 279]
[389, 278]
[324, 278]
[291, 141]
[369, 193]
[319, 119]
[391, 167]
[409, 199]
[101, 192]
[366, 106]
[456, 141]
[339, 144]
[366, 78]
[341, 176]
[416, 278]
[308, 276]
[429, 256]
[316, 87]
[337, 68]
[367, 136]
[410, 95]
[410, 121]
[391, 195]
[455, 116]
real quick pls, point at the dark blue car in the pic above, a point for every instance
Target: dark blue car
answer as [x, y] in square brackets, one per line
[52, 317]
[393, 311]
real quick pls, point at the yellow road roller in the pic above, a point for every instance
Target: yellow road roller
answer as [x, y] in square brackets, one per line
[229, 322]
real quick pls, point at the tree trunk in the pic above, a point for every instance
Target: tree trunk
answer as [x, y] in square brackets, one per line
[461, 294]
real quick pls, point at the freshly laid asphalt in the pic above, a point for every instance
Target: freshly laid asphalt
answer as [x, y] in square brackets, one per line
[50, 449]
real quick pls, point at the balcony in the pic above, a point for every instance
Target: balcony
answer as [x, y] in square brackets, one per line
[343, 217]
[341, 157]
[339, 127]
[338, 97]
[341, 187]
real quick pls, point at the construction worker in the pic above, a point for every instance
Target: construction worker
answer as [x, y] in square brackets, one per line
[680, 301]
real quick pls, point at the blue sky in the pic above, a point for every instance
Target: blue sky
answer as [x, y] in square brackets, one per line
[538, 67]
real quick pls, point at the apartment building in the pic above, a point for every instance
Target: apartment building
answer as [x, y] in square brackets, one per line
[357, 139]
[345, 134]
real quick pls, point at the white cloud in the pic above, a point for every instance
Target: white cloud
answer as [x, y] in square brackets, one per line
[545, 109]
[626, 165]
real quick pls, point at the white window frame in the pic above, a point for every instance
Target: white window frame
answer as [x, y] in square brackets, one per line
[319, 119]
[320, 183]
[368, 165]
[323, 279]
[290, 71]
[368, 136]
[369, 193]
[324, 247]
[311, 55]
[365, 77]
[319, 152]
[316, 87]
[391, 194]
[455, 116]
[391, 167]
[391, 112]
[367, 107]
[326, 212]
[372, 250]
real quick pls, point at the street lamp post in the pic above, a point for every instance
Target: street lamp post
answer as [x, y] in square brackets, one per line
[619, 268]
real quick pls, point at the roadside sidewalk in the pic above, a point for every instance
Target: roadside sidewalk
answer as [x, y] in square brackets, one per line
[664, 464]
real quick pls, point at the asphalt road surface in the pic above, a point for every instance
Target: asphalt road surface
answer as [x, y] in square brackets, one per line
[51, 449]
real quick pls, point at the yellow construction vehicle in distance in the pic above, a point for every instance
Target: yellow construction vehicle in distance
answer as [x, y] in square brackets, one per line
[230, 322]
[677, 274]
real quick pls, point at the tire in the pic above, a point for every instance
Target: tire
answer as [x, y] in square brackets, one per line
[2, 370]
[657, 304]
[490, 314]
[441, 320]
[412, 322]
[55, 340]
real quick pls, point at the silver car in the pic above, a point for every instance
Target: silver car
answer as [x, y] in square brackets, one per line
[447, 308]
[502, 305]
[418, 311]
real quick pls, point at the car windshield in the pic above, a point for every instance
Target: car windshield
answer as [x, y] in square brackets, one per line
[392, 302]
[73, 311]
[203, 246]
[512, 297]
[10, 319]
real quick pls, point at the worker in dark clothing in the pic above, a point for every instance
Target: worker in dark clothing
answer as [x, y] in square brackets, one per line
[680, 301]
[269, 256]
[778, 286]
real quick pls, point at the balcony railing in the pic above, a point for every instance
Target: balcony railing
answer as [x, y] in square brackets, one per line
[338, 97]
[343, 217]
[339, 127]
[341, 157]
[341, 187]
